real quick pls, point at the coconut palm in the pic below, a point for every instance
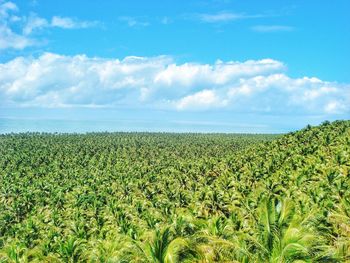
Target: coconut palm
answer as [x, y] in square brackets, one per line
[144, 197]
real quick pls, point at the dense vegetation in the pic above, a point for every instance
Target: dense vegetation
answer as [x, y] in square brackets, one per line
[139, 197]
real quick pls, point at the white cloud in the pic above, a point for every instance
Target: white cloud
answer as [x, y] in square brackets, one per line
[336, 106]
[8, 37]
[70, 23]
[223, 17]
[159, 82]
[14, 38]
[133, 21]
[6, 7]
[63, 22]
[200, 100]
[34, 22]
[220, 17]
[272, 28]
[219, 73]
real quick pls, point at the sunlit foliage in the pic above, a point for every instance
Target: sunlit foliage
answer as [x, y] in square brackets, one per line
[143, 197]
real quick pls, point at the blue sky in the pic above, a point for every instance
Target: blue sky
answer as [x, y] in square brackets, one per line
[220, 65]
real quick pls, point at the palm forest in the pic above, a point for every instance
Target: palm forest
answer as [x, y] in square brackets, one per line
[162, 197]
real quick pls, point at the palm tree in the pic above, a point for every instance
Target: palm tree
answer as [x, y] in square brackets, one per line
[340, 219]
[71, 249]
[105, 251]
[13, 253]
[282, 234]
[161, 247]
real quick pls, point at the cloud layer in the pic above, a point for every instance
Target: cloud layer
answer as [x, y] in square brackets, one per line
[53, 80]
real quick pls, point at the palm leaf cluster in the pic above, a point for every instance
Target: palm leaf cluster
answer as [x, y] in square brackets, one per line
[144, 197]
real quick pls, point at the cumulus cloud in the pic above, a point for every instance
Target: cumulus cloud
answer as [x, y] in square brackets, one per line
[218, 74]
[200, 100]
[335, 106]
[53, 80]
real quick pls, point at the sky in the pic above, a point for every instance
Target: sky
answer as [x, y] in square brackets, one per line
[178, 66]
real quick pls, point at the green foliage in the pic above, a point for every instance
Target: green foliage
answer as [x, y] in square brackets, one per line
[143, 197]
